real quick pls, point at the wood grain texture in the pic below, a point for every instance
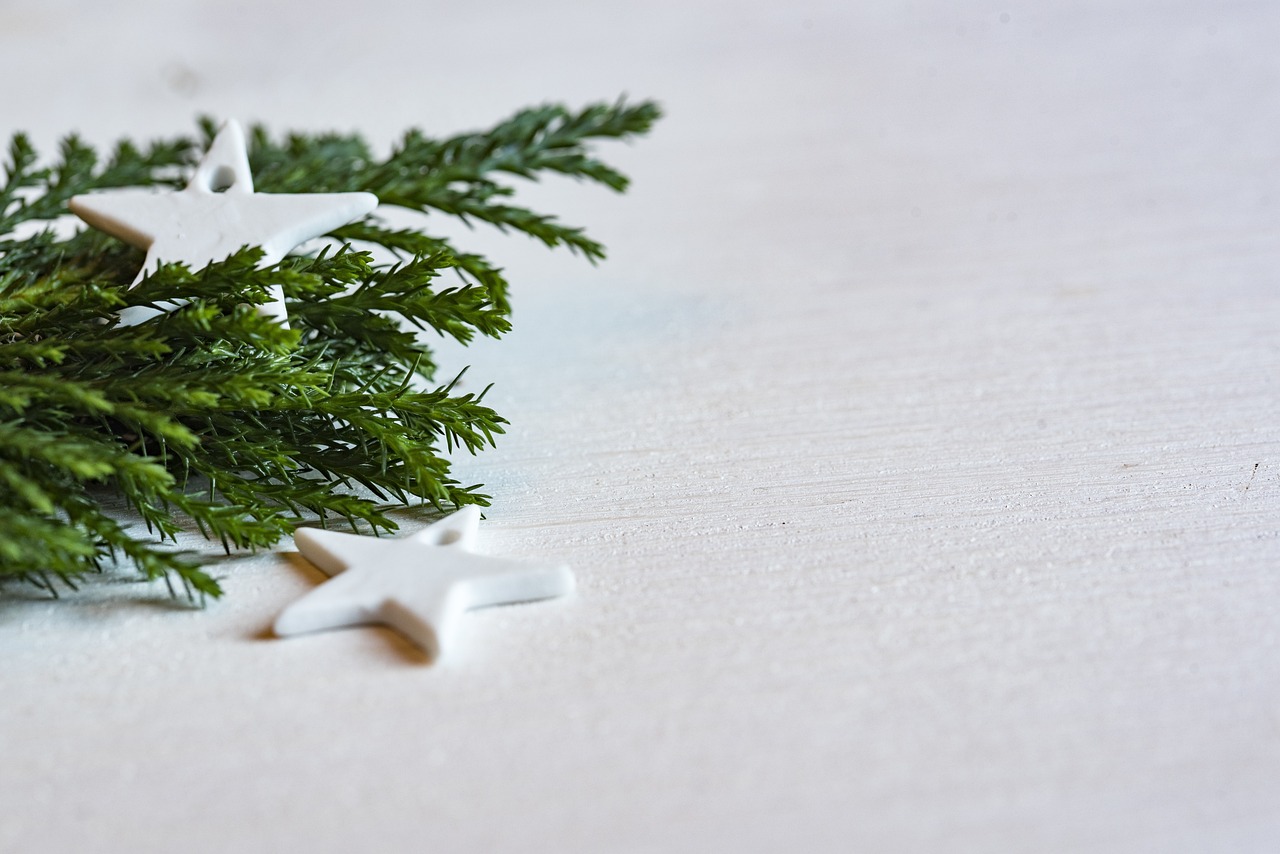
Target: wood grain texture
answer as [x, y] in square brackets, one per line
[915, 450]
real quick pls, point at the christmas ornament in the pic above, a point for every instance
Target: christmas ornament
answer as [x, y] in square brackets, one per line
[418, 585]
[217, 214]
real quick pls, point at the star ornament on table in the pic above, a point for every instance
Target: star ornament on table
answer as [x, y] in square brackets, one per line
[216, 215]
[418, 585]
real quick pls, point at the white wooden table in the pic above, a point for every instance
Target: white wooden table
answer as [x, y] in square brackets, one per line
[916, 449]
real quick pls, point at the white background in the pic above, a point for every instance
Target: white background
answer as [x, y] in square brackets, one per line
[915, 449]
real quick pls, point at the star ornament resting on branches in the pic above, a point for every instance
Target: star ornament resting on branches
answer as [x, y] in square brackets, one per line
[418, 585]
[217, 214]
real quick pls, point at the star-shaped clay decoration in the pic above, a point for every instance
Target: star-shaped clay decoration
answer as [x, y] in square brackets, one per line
[418, 585]
[217, 214]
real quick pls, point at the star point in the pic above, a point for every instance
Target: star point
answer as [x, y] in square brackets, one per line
[215, 215]
[418, 585]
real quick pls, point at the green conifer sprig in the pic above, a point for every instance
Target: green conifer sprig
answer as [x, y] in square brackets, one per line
[214, 418]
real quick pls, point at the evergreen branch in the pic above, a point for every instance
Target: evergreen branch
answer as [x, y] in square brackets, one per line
[453, 176]
[211, 417]
[471, 269]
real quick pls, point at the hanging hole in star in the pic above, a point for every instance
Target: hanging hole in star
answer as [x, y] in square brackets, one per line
[222, 179]
[446, 538]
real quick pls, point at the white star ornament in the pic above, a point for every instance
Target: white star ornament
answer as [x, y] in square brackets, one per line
[217, 214]
[418, 585]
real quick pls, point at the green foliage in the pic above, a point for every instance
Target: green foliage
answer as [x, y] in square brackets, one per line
[214, 418]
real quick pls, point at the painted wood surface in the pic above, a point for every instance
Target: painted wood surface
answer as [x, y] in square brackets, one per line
[915, 450]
